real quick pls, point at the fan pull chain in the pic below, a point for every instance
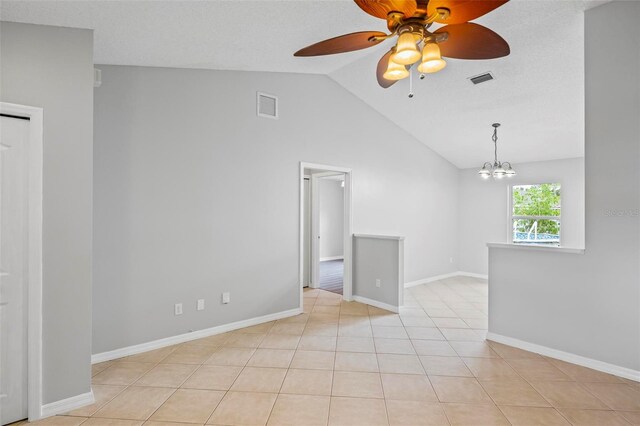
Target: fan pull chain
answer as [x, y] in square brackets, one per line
[410, 84]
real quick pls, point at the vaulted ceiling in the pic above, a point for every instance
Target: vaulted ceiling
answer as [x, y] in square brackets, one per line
[537, 94]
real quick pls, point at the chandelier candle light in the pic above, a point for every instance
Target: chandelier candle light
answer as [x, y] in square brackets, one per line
[498, 169]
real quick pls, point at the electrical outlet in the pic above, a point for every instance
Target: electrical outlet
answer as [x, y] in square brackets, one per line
[226, 298]
[378, 282]
[200, 305]
[177, 309]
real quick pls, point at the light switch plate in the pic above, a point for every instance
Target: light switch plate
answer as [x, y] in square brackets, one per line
[226, 297]
[177, 309]
[200, 305]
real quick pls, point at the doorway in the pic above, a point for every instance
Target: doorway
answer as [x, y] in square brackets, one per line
[327, 213]
[325, 228]
[20, 262]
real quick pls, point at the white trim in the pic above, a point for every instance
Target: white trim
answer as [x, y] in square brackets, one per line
[347, 279]
[605, 367]
[429, 280]
[68, 404]
[377, 304]
[444, 276]
[379, 237]
[34, 291]
[324, 259]
[186, 337]
[473, 275]
[535, 247]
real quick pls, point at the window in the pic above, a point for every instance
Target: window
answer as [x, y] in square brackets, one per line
[536, 214]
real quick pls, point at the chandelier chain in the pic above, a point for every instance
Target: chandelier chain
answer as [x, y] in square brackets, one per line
[495, 145]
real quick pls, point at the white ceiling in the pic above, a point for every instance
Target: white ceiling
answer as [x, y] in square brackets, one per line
[537, 95]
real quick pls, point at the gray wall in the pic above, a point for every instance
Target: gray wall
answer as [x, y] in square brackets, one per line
[195, 195]
[331, 206]
[589, 304]
[483, 208]
[378, 259]
[52, 68]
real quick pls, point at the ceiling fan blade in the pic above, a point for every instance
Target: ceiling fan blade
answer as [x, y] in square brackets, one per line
[382, 67]
[341, 44]
[461, 11]
[472, 41]
[381, 8]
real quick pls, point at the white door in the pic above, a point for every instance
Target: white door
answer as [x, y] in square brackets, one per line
[14, 166]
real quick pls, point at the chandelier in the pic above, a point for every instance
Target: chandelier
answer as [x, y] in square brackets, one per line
[498, 169]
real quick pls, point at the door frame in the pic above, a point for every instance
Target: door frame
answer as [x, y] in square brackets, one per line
[34, 257]
[347, 289]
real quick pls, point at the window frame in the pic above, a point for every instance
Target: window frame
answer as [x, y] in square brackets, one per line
[513, 217]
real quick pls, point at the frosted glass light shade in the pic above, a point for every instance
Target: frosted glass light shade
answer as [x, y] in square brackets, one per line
[499, 173]
[395, 71]
[407, 52]
[484, 173]
[431, 59]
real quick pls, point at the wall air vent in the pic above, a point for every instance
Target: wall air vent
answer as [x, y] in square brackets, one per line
[487, 76]
[267, 105]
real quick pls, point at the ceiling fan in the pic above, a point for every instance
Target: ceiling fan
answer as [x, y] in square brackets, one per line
[410, 21]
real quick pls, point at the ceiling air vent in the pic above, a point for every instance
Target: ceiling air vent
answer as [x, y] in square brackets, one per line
[481, 78]
[267, 105]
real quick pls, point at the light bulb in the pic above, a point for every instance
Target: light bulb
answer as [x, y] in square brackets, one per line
[395, 71]
[406, 51]
[431, 59]
[499, 173]
[510, 172]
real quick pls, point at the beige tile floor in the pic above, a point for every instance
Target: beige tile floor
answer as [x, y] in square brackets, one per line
[349, 364]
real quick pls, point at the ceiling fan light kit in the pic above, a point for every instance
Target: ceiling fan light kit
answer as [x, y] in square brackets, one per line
[431, 59]
[395, 71]
[410, 21]
[498, 169]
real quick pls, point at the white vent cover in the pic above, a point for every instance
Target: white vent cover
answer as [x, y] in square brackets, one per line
[267, 105]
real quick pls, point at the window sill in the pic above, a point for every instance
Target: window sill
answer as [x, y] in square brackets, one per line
[533, 247]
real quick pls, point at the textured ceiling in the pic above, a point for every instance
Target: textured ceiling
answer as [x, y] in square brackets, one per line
[223, 35]
[538, 93]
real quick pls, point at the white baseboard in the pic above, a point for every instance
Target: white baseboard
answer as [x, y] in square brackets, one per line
[323, 259]
[181, 338]
[444, 276]
[430, 279]
[377, 304]
[473, 274]
[66, 405]
[605, 367]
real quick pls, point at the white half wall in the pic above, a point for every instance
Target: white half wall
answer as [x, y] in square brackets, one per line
[483, 208]
[331, 206]
[589, 304]
[196, 195]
